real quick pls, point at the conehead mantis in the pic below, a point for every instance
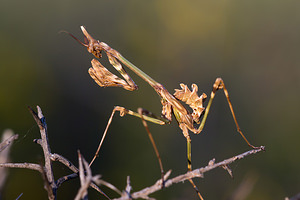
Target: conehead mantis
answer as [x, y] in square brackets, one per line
[171, 104]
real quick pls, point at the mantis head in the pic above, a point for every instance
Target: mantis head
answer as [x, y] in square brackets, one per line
[93, 46]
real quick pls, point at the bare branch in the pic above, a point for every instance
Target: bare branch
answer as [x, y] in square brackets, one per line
[19, 196]
[63, 179]
[144, 193]
[71, 166]
[92, 185]
[50, 185]
[63, 160]
[41, 122]
[7, 138]
[25, 165]
[86, 178]
[109, 185]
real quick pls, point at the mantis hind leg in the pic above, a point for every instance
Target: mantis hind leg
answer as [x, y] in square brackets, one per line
[189, 156]
[219, 84]
[189, 150]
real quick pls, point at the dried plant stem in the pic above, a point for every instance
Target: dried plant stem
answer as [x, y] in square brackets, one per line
[63, 160]
[45, 169]
[31, 166]
[144, 193]
[7, 138]
[50, 184]
[86, 178]
[39, 118]
[49, 157]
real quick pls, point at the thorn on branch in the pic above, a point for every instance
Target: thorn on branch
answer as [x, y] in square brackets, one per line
[228, 169]
[39, 120]
[211, 162]
[38, 141]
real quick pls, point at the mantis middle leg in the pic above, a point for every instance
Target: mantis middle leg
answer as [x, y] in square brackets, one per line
[144, 115]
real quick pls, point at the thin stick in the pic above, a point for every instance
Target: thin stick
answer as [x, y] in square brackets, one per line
[64, 161]
[49, 157]
[31, 166]
[47, 169]
[85, 175]
[19, 196]
[8, 138]
[63, 179]
[40, 119]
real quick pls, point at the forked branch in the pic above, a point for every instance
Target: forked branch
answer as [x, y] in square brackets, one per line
[45, 168]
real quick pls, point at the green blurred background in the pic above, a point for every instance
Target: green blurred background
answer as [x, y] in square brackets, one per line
[253, 45]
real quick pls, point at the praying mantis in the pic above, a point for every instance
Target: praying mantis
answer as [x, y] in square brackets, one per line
[171, 104]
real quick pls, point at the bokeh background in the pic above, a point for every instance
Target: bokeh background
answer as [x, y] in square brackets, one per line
[253, 45]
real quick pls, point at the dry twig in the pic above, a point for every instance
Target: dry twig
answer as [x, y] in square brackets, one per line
[86, 178]
[51, 185]
[7, 138]
[144, 193]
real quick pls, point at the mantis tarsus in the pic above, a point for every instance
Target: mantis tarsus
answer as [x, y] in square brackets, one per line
[171, 103]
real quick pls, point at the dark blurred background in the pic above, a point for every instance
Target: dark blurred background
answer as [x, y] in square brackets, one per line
[253, 45]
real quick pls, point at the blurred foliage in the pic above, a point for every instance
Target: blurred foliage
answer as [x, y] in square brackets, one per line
[252, 45]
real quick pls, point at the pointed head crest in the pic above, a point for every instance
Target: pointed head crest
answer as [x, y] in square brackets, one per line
[91, 44]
